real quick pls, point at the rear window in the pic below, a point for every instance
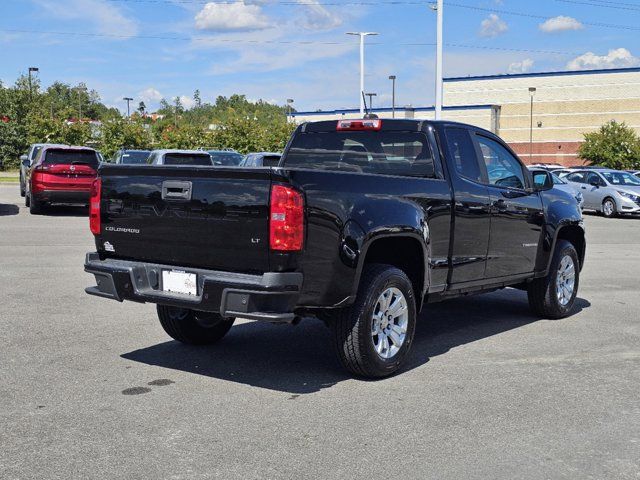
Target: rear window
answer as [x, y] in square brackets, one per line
[67, 157]
[270, 160]
[187, 159]
[386, 153]
[134, 158]
[226, 159]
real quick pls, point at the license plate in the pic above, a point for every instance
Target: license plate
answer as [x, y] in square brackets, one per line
[177, 281]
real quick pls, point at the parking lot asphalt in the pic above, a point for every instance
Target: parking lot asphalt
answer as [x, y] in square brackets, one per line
[91, 388]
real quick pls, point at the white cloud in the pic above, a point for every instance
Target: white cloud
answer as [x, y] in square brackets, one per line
[103, 15]
[240, 16]
[620, 57]
[560, 24]
[319, 18]
[187, 102]
[521, 67]
[150, 95]
[492, 26]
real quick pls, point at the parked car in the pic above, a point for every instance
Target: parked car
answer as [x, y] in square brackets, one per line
[560, 184]
[25, 163]
[183, 158]
[131, 157]
[225, 158]
[364, 223]
[261, 159]
[60, 174]
[610, 192]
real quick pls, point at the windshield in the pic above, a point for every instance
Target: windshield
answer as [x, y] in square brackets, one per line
[67, 157]
[134, 157]
[187, 159]
[557, 180]
[230, 159]
[621, 178]
[387, 153]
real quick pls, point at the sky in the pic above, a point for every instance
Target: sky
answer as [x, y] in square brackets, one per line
[279, 49]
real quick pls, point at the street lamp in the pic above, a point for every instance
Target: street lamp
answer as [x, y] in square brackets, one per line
[371, 95]
[532, 92]
[393, 95]
[362, 35]
[31, 69]
[128, 99]
[289, 107]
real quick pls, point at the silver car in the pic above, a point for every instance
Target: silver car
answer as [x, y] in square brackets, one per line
[561, 184]
[611, 192]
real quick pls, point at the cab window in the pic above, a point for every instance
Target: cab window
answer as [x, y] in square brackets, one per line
[463, 153]
[503, 169]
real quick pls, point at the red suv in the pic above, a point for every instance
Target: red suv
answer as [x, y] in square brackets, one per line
[60, 174]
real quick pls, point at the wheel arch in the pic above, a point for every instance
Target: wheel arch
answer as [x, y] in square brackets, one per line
[574, 234]
[408, 252]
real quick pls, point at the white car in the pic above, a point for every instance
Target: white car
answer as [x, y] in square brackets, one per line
[610, 192]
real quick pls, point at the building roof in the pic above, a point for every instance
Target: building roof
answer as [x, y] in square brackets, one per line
[545, 74]
[389, 109]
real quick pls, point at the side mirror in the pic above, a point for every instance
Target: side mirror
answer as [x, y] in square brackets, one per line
[23, 157]
[25, 161]
[594, 183]
[542, 180]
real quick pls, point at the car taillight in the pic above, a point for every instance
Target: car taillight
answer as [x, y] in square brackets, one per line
[94, 206]
[286, 225]
[365, 124]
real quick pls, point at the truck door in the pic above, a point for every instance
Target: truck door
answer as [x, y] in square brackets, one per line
[516, 212]
[471, 208]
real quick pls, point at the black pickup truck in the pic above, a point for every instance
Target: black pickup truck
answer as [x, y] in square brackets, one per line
[362, 223]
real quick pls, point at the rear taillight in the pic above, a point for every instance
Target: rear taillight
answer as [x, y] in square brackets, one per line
[286, 225]
[94, 206]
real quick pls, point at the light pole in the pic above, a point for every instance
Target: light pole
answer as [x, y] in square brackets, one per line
[438, 7]
[289, 107]
[128, 99]
[31, 69]
[371, 95]
[393, 95]
[362, 35]
[532, 92]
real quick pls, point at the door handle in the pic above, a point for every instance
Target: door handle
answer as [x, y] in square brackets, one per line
[176, 190]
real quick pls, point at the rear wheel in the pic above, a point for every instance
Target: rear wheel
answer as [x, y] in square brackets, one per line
[35, 205]
[374, 335]
[22, 190]
[609, 207]
[193, 327]
[554, 295]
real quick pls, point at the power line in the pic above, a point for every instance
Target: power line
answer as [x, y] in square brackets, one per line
[539, 17]
[634, 7]
[278, 42]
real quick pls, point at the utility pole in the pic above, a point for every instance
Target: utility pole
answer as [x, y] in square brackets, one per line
[31, 69]
[532, 92]
[439, 8]
[393, 95]
[362, 35]
[371, 95]
[128, 99]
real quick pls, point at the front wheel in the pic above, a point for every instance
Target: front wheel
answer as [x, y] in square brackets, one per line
[22, 188]
[193, 327]
[609, 209]
[554, 295]
[374, 335]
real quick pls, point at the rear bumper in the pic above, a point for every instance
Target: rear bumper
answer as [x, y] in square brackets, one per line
[63, 196]
[271, 296]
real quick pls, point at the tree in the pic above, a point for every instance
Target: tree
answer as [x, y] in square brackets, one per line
[197, 98]
[614, 145]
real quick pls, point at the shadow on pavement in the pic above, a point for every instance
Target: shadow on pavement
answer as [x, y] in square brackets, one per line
[299, 359]
[8, 209]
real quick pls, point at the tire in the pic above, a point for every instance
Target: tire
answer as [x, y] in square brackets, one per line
[22, 187]
[27, 200]
[609, 209]
[544, 294]
[359, 348]
[35, 206]
[193, 327]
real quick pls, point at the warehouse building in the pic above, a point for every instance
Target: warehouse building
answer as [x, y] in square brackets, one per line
[543, 116]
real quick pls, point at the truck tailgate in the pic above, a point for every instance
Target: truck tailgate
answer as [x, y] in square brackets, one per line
[211, 218]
